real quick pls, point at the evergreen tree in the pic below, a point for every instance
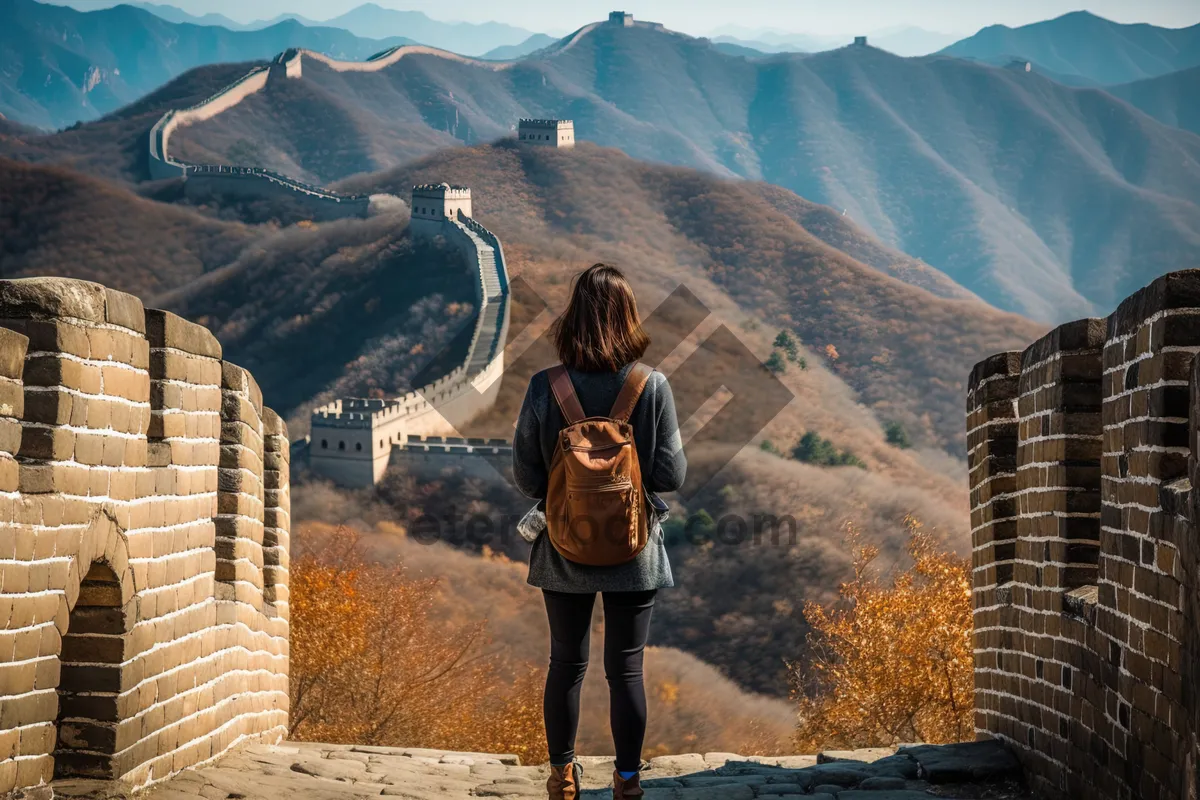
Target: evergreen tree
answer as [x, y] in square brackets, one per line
[775, 363]
[813, 449]
[897, 436]
[789, 345]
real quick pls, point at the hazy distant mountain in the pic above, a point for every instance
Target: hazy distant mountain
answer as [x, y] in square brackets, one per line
[508, 52]
[467, 38]
[59, 65]
[745, 51]
[175, 14]
[911, 41]
[736, 46]
[1173, 99]
[903, 41]
[1053, 201]
[1084, 44]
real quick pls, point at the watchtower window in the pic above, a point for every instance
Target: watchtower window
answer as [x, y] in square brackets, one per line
[341, 445]
[358, 446]
[324, 444]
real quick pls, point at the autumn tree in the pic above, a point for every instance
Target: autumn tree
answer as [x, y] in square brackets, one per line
[370, 663]
[893, 662]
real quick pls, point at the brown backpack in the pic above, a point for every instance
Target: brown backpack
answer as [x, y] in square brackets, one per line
[595, 503]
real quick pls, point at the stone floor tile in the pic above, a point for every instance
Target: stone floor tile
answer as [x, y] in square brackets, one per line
[868, 754]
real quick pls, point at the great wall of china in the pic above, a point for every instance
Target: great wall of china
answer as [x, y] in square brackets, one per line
[203, 180]
[144, 519]
[353, 440]
[1084, 454]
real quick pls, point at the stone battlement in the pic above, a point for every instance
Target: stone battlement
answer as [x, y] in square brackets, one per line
[456, 444]
[144, 504]
[546, 132]
[1083, 451]
[441, 190]
[353, 439]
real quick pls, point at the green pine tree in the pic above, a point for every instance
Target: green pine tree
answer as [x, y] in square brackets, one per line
[897, 436]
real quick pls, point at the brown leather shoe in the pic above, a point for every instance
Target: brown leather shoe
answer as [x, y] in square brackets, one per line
[627, 789]
[563, 783]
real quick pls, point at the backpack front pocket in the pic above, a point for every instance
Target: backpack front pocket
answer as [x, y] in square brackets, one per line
[602, 516]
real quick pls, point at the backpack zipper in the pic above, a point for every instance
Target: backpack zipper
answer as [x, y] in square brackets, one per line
[585, 486]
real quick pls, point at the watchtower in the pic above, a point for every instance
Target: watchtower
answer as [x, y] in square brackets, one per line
[435, 203]
[860, 41]
[547, 132]
[621, 18]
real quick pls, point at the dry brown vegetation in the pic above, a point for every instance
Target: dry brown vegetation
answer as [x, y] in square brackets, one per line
[352, 307]
[905, 351]
[449, 651]
[57, 222]
[1047, 199]
[893, 662]
[339, 309]
[371, 665]
[115, 146]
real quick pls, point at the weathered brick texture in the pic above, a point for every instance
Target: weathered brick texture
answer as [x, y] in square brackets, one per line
[1086, 626]
[143, 541]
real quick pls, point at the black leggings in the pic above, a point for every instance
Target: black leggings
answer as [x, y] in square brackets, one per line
[626, 628]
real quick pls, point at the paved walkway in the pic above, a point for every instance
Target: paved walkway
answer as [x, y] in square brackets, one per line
[303, 771]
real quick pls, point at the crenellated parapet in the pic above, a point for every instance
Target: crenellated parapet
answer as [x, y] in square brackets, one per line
[353, 439]
[1085, 562]
[144, 516]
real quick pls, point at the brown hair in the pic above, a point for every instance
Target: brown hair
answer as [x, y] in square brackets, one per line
[600, 331]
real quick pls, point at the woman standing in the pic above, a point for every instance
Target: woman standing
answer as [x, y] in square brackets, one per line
[599, 339]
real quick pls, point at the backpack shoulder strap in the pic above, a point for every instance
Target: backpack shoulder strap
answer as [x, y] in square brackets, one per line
[564, 393]
[631, 392]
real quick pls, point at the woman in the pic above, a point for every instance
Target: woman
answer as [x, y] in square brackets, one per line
[599, 339]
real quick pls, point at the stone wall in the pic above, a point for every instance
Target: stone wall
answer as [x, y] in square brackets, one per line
[352, 439]
[143, 554]
[1085, 562]
[430, 456]
[205, 180]
[546, 132]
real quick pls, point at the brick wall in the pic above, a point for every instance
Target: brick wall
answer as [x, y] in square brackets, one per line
[143, 557]
[1084, 562]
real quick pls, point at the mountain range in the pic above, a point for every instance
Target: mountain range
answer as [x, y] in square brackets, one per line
[59, 66]
[903, 41]
[1045, 199]
[347, 307]
[1170, 99]
[1088, 47]
[1041, 198]
[375, 22]
[862, 201]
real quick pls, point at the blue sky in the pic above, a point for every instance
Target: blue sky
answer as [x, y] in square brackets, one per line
[824, 17]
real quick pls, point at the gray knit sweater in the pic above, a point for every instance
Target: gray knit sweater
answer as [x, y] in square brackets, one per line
[660, 452]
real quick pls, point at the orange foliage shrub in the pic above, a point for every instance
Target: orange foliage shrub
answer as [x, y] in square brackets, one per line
[895, 663]
[372, 665]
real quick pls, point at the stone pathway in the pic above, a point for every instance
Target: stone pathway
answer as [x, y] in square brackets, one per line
[304, 771]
